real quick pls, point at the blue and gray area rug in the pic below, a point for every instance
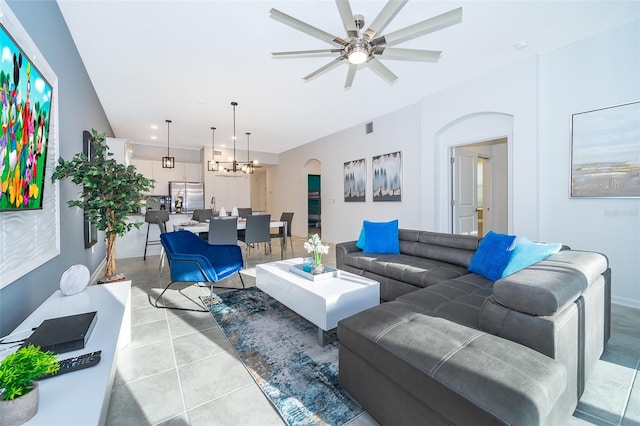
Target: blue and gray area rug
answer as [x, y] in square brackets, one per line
[280, 349]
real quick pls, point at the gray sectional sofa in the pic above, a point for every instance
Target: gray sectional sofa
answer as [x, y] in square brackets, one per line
[452, 347]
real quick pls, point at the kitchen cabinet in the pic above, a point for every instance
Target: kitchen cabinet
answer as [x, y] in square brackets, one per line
[189, 172]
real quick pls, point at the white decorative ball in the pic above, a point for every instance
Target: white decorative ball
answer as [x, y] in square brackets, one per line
[74, 280]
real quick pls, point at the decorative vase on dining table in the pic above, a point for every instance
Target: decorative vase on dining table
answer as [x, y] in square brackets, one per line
[317, 269]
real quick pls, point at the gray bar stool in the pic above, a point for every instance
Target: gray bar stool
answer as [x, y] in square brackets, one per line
[157, 217]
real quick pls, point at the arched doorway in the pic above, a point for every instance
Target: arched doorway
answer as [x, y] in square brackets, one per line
[493, 130]
[314, 197]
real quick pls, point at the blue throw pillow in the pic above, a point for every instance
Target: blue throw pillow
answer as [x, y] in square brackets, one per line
[379, 237]
[360, 242]
[527, 253]
[492, 255]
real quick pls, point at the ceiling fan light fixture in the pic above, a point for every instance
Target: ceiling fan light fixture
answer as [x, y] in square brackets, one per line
[360, 48]
[358, 57]
[358, 53]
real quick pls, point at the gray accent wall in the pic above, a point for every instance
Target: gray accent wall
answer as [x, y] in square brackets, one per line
[79, 109]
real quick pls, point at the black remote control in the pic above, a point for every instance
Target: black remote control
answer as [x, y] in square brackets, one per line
[76, 363]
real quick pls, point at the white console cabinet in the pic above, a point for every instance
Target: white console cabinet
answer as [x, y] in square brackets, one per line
[82, 397]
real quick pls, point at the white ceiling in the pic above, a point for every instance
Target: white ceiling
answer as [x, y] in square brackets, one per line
[187, 60]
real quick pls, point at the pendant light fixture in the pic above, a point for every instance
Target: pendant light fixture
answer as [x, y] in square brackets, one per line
[212, 165]
[248, 166]
[234, 164]
[168, 162]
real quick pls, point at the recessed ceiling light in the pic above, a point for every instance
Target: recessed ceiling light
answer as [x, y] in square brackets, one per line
[153, 126]
[522, 44]
[154, 137]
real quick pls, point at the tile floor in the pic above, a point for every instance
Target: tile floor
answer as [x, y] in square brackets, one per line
[180, 370]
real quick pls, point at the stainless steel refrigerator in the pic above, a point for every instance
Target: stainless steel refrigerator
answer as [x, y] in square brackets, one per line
[189, 194]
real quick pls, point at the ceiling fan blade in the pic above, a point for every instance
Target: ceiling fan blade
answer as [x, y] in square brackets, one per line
[347, 17]
[319, 52]
[388, 12]
[306, 28]
[324, 68]
[408, 54]
[421, 28]
[350, 75]
[382, 70]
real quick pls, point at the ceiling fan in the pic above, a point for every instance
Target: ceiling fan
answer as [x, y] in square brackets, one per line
[367, 46]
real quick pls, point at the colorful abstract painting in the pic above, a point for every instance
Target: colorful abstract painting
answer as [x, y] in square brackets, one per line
[26, 111]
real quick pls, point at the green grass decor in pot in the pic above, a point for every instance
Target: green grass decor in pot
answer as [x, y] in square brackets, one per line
[18, 387]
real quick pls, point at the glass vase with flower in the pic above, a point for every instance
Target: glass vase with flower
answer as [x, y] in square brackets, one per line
[314, 246]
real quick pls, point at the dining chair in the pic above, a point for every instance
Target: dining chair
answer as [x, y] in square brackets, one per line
[288, 218]
[243, 212]
[154, 217]
[257, 231]
[223, 230]
[202, 215]
[191, 259]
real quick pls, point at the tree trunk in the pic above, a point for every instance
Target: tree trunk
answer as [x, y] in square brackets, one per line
[110, 269]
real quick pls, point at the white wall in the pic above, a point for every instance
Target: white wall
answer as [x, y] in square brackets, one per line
[398, 131]
[598, 72]
[529, 102]
[502, 103]
[78, 109]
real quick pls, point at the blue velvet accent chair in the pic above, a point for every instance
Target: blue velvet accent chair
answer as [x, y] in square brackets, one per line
[192, 259]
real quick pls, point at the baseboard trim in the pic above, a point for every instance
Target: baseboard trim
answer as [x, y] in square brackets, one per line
[99, 272]
[632, 303]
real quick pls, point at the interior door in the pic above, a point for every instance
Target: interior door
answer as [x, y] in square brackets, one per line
[464, 191]
[487, 203]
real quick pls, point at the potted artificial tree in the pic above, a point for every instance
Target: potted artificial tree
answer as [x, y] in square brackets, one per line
[19, 390]
[110, 193]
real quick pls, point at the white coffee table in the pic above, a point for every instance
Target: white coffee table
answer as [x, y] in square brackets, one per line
[323, 302]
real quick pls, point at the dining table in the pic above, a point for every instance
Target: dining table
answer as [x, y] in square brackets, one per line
[197, 227]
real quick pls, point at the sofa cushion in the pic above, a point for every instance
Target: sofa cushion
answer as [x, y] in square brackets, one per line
[550, 285]
[442, 363]
[492, 255]
[417, 271]
[526, 253]
[379, 237]
[449, 248]
[458, 299]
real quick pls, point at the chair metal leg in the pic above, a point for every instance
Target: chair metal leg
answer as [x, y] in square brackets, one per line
[283, 247]
[146, 242]
[155, 302]
[161, 266]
